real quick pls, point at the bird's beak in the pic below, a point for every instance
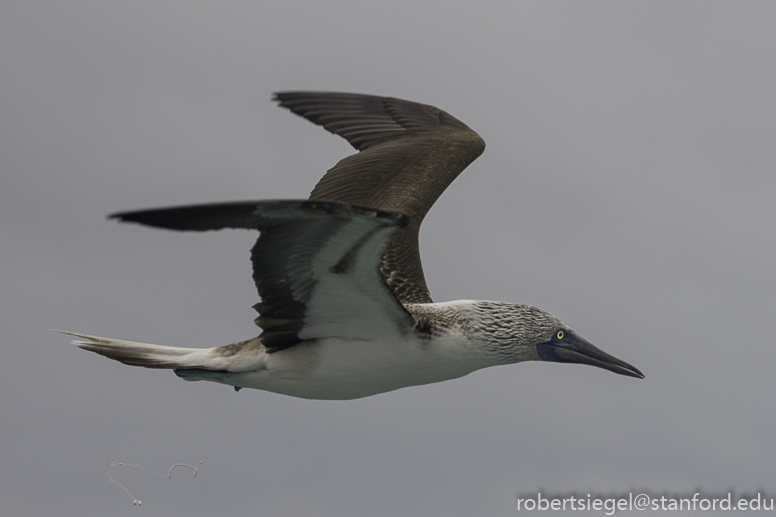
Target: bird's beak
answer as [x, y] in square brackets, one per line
[574, 349]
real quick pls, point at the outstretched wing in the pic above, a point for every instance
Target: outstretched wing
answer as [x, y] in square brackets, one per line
[408, 154]
[315, 264]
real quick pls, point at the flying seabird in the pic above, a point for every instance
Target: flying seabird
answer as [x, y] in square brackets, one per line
[345, 312]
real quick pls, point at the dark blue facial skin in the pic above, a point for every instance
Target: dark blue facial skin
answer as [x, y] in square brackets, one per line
[567, 347]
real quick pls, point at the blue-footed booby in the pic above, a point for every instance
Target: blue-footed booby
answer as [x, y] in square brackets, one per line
[345, 312]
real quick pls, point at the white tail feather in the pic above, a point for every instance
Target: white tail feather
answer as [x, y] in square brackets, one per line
[144, 354]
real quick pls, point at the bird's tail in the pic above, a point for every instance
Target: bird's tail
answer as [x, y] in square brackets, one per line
[145, 354]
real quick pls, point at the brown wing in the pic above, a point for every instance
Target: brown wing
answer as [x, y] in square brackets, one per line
[408, 154]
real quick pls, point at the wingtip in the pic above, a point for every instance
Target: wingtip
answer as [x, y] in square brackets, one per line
[126, 217]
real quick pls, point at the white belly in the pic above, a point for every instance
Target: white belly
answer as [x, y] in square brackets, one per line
[336, 369]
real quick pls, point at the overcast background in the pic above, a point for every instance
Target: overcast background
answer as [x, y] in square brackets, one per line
[628, 188]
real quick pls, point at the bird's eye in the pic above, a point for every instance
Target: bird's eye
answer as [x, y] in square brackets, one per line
[560, 335]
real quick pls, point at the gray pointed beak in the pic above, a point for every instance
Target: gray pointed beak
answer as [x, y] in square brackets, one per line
[574, 349]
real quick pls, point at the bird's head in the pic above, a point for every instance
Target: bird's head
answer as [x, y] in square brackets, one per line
[521, 332]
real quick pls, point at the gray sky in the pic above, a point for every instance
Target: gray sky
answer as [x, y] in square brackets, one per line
[628, 188]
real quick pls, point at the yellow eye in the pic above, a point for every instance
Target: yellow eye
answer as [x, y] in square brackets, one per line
[560, 334]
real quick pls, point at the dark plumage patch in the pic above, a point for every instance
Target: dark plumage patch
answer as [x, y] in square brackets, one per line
[424, 328]
[342, 266]
[276, 341]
